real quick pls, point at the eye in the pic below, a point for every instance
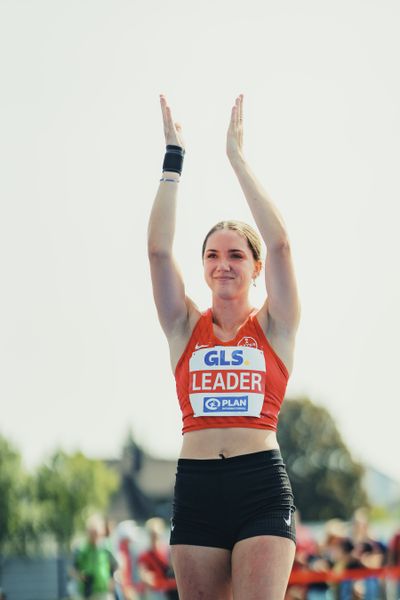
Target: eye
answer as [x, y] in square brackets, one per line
[211, 255]
[236, 255]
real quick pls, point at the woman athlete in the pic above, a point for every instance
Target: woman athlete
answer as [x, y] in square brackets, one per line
[232, 530]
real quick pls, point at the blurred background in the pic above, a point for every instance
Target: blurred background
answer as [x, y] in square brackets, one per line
[90, 423]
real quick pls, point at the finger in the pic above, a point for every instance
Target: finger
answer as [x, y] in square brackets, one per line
[241, 108]
[170, 122]
[234, 116]
[237, 108]
[164, 109]
[167, 115]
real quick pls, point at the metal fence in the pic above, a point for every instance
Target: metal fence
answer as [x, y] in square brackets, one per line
[37, 578]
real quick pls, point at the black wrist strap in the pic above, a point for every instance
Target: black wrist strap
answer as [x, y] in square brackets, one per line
[173, 159]
[177, 149]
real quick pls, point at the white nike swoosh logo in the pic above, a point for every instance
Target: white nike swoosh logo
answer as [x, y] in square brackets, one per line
[198, 346]
[289, 520]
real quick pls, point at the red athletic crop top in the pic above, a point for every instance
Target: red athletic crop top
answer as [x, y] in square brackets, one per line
[238, 383]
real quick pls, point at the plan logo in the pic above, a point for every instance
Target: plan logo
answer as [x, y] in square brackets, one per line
[226, 404]
[211, 404]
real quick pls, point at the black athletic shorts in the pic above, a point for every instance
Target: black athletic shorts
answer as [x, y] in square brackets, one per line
[220, 501]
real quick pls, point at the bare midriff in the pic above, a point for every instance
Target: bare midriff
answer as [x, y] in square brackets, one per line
[226, 442]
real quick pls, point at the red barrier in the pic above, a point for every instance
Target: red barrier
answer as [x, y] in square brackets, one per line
[163, 585]
[306, 577]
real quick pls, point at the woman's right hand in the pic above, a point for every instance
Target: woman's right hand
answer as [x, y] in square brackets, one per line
[172, 131]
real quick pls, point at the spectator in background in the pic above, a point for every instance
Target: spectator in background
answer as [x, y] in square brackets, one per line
[335, 531]
[94, 564]
[344, 560]
[128, 572]
[394, 550]
[320, 590]
[323, 559]
[306, 544]
[155, 565]
[368, 550]
[305, 547]
[344, 556]
[110, 544]
[393, 586]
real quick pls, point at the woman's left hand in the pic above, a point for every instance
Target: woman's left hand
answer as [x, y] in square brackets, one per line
[234, 138]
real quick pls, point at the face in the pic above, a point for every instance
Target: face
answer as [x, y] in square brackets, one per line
[229, 265]
[93, 535]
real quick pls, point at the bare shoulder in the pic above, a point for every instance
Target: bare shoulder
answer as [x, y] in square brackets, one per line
[281, 338]
[179, 337]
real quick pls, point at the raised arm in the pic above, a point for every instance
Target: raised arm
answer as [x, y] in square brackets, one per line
[173, 306]
[282, 304]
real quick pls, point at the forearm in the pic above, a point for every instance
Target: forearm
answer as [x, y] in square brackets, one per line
[161, 227]
[266, 215]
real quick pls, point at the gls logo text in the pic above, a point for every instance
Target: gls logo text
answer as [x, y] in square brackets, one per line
[219, 358]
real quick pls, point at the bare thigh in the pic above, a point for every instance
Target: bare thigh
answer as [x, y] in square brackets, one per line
[261, 567]
[202, 572]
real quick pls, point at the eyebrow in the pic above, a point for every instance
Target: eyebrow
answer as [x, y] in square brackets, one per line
[230, 250]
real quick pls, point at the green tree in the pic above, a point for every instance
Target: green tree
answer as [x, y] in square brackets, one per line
[19, 514]
[28, 536]
[326, 481]
[69, 486]
[11, 488]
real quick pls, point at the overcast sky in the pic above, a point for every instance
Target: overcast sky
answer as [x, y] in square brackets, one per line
[82, 355]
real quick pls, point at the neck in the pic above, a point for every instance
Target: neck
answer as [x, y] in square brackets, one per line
[156, 545]
[230, 314]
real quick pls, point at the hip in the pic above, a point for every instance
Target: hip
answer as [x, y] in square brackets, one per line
[228, 442]
[258, 478]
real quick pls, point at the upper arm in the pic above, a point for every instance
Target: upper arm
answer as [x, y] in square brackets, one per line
[283, 304]
[173, 306]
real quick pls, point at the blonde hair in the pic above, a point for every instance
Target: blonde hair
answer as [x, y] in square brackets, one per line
[252, 237]
[155, 525]
[95, 522]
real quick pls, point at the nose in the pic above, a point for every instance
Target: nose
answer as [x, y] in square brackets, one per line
[223, 265]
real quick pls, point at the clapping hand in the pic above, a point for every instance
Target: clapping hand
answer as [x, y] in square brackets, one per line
[172, 131]
[234, 138]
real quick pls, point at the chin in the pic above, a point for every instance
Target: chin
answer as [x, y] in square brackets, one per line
[225, 294]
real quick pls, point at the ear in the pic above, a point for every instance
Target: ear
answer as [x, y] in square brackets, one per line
[257, 268]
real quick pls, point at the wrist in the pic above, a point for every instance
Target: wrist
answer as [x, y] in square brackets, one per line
[170, 174]
[237, 160]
